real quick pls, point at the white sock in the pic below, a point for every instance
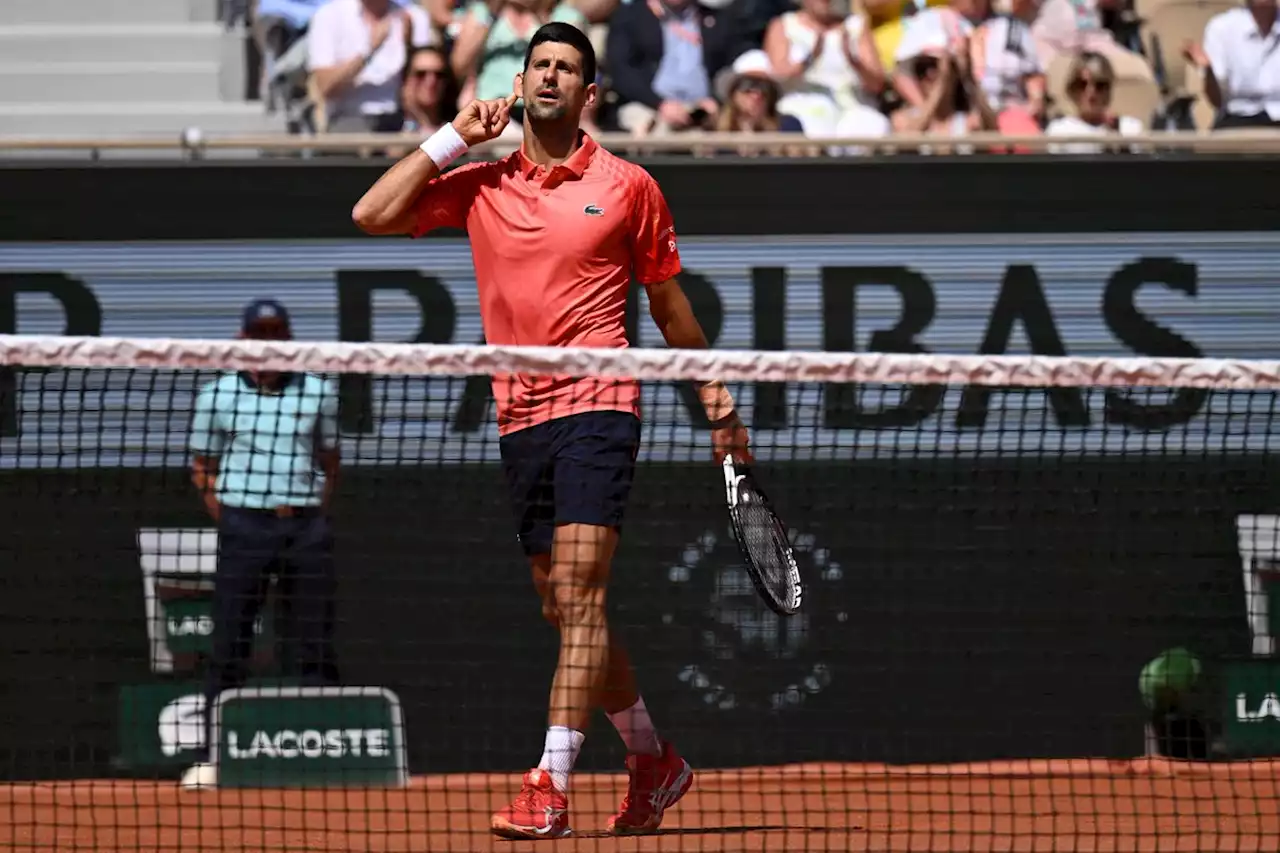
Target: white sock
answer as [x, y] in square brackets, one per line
[636, 729]
[560, 754]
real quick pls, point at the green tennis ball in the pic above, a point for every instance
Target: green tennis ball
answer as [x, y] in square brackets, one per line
[1169, 676]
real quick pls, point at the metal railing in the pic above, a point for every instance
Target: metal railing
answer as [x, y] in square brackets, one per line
[193, 144]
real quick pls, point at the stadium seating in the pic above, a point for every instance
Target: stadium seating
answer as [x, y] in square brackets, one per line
[1168, 25]
[117, 67]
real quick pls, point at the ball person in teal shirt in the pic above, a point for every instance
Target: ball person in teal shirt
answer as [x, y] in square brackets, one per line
[265, 460]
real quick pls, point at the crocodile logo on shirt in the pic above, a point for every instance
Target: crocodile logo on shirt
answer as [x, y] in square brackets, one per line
[593, 210]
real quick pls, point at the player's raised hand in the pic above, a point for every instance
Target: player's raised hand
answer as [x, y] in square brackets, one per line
[480, 121]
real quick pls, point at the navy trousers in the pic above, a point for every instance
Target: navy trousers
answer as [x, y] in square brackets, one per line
[253, 547]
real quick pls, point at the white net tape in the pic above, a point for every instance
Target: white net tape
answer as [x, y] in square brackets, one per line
[644, 364]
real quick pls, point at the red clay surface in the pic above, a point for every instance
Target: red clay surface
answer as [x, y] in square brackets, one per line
[1081, 806]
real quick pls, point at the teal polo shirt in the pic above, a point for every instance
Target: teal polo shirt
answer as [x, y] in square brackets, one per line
[266, 442]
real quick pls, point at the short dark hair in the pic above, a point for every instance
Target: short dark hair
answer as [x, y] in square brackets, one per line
[558, 32]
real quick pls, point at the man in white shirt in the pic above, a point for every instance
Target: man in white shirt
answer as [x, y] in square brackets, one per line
[1240, 60]
[357, 51]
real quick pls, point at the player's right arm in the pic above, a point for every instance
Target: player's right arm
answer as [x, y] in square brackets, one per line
[206, 442]
[395, 203]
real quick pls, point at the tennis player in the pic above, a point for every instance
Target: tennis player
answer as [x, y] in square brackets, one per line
[557, 229]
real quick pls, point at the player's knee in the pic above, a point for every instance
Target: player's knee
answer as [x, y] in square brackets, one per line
[577, 602]
[541, 566]
[549, 611]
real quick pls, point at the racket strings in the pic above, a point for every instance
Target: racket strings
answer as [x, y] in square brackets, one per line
[764, 542]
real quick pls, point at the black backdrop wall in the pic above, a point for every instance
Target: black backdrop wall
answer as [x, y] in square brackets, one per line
[986, 609]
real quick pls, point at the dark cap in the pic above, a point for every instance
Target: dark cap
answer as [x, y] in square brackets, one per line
[266, 313]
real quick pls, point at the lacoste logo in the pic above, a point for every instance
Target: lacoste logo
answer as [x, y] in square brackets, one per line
[593, 210]
[181, 724]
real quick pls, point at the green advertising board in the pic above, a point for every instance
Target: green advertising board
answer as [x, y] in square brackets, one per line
[160, 726]
[299, 737]
[1251, 706]
[188, 624]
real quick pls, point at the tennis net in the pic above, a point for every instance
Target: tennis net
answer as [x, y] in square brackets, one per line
[1040, 605]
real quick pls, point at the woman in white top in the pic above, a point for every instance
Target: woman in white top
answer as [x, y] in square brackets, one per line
[1089, 83]
[827, 65]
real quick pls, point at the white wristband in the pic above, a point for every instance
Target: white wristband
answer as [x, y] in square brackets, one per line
[444, 146]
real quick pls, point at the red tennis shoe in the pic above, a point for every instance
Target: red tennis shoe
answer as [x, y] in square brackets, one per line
[540, 810]
[657, 783]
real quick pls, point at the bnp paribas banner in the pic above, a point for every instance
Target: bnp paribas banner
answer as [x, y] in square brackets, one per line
[1120, 294]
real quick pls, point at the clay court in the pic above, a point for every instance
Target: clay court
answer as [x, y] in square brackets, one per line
[1086, 805]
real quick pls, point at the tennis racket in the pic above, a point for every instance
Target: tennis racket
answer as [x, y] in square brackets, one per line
[762, 539]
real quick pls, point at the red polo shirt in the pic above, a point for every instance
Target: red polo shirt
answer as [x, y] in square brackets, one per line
[554, 250]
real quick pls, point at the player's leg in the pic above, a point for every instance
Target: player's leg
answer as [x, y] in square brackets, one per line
[578, 580]
[247, 546]
[595, 467]
[540, 810]
[619, 698]
[658, 775]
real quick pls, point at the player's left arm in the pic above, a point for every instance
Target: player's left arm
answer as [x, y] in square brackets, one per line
[656, 260]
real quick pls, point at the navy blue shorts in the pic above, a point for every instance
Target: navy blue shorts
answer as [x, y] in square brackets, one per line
[572, 470]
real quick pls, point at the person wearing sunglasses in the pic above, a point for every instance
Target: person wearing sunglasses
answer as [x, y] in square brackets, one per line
[1090, 82]
[751, 101]
[429, 96]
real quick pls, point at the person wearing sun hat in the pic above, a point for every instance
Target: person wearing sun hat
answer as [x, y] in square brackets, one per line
[750, 95]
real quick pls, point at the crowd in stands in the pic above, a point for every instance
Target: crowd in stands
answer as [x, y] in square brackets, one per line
[814, 68]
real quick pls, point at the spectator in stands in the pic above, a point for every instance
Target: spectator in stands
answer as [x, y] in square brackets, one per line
[929, 31]
[1074, 26]
[489, 51]
[751, 101]
[429, 97]
[889, 20]
[954, 104]
[357, 51]
[1006, 66]
[830, 73]
[1240, 61]
[664, 57]
[1089, 84]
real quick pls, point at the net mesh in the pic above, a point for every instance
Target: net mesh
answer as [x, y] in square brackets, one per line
[1038, 615]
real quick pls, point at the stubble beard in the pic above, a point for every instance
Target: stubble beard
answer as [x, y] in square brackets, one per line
[541, 113]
